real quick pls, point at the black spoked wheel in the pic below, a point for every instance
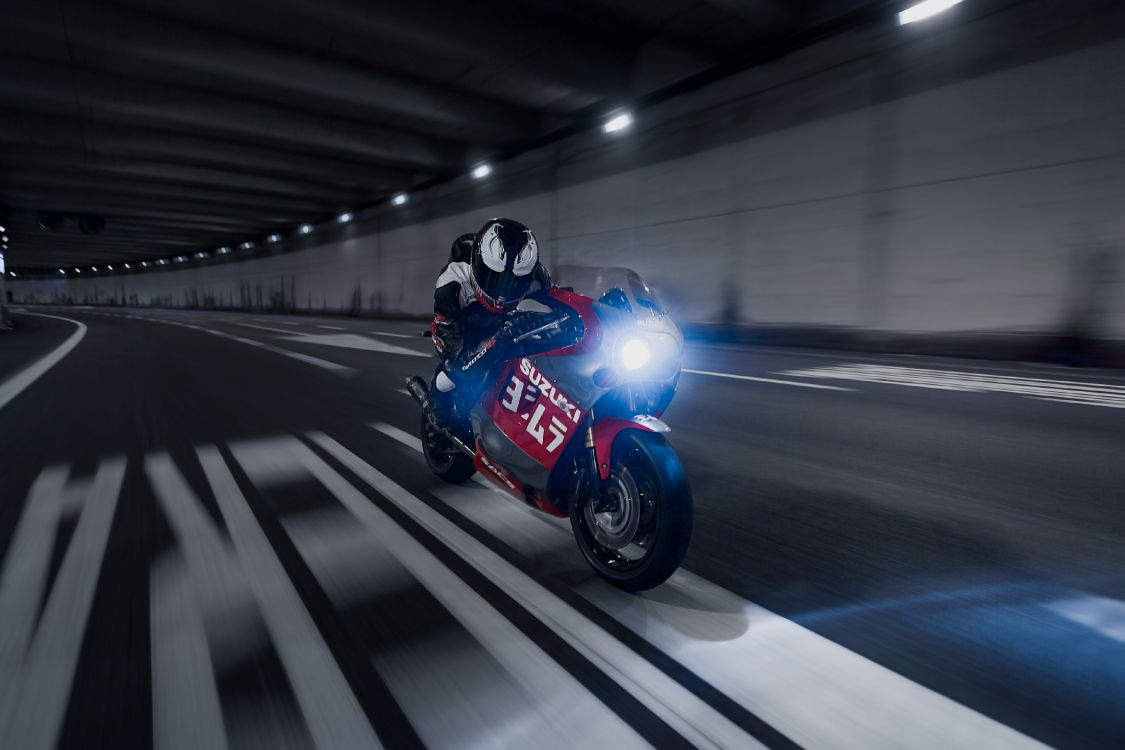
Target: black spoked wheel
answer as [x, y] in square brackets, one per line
[642, 538]
[443, 457]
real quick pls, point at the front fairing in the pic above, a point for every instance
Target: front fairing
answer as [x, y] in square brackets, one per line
[543, 393]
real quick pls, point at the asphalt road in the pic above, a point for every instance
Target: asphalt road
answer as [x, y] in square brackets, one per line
[217, 531]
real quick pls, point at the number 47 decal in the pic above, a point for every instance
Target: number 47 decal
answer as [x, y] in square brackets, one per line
[557, 427]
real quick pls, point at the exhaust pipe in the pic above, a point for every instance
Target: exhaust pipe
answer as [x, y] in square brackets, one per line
[419, 391]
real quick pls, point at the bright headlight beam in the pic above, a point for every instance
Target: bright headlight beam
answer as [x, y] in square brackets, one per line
[481, 171]
[925, 9]
[635, 354]
[400, 199]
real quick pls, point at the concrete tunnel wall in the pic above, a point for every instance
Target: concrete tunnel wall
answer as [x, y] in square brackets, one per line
[991, 203]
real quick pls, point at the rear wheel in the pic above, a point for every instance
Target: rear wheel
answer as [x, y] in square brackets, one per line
[643, 539]
[443, 458]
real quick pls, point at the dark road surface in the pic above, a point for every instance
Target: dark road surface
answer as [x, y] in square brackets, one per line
[217, 531]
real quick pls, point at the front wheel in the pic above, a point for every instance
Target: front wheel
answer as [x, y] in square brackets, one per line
[640, 542]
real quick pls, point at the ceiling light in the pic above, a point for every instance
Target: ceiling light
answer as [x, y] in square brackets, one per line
[345, 217]
[273, 238]
[3, 228]
[12, 274]
[481, 171]
[247, 245]
[617, 123]
[223, 250]
[181, 258]
[144, 264]
[94, 269]
[399, 199]
[925, 9]
[109, 268]
[304, 228]
[162, 262]
[78, 270]
[62, 272]
[4, 238]
[201, 254]
[127, 266]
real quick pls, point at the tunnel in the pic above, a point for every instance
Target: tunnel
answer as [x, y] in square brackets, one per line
[772, 395]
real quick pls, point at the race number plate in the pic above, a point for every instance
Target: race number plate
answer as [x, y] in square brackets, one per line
[535, 414]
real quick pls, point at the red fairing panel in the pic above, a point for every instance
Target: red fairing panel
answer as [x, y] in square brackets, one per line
[500, 476]
[534, 413]
[605, 432]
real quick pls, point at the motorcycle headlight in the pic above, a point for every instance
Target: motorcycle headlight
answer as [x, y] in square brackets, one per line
[635, 354]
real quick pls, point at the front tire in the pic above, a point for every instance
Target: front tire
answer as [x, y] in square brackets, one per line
[443, 458]
[644, 540]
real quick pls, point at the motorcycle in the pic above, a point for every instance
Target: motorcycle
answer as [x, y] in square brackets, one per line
[568, 422]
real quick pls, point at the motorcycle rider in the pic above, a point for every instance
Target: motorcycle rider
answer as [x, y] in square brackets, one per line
[471, 300]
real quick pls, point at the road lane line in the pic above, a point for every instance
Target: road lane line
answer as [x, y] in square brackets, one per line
[1092, 394]
[186, 711]
[813, 690]
[767, 380]
[15, 385]
[395, 335]
[797, 681]
[546, 682]
[34, 718]
[333, 328]
[402, 436]
[324, 364]
[693, 718]
[331, 710]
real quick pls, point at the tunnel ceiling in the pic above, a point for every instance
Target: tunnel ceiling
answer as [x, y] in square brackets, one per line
[190, 125]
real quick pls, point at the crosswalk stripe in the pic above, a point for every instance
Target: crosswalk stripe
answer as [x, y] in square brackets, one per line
[540, 676]
[692, 717]
[32, 718]
[796, 680]
[331, 710]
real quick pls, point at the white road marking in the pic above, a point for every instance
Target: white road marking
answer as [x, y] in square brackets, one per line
[816, 692]
[36, 693]
[331, 710]
[342, 340]
[572, 707]
[1103, 615]
[692, 717]
[186, 713]
[15, 385]
[402, 436]
[315, 361]
[766, 380]
[800, 683]
[333, 328]
[395, 335]
[1069, 391]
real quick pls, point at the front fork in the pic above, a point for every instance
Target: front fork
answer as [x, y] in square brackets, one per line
[599, 498]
